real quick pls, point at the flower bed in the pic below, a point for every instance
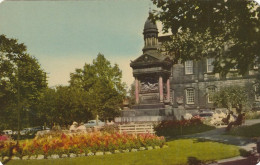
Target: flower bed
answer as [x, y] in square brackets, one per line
[4, 138]
[65, 145]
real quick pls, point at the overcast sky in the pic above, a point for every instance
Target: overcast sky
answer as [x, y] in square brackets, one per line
[63, 35]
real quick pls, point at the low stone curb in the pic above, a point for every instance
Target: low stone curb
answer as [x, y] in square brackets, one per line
[40, 157]
[156, 147]
[149, 148]
[81, 155]
[99, 153]
[125, 151]
[64, 155]
[14, 158]
[134, 150]
[231, 159]
[72, 155]
[90, 154]
[108, 153]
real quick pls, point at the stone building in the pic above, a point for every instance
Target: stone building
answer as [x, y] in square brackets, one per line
[163, 89]
[192, 82]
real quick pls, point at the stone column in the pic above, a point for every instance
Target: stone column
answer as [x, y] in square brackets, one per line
[168, 89]
[161, 88]
[136, 91]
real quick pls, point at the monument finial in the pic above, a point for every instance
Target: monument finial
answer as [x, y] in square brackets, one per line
[150, 10]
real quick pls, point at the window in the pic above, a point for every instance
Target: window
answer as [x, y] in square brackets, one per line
[210, 65]
[189, 67]
[257, 97]
[210, 92]
[190, 96]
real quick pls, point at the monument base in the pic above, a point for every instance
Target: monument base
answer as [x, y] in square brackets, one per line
[142, 119]
[147, 113]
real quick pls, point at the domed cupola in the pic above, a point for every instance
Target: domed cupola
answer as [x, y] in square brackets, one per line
[150, 29]
[150, 36]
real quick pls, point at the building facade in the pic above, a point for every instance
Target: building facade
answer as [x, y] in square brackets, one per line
[193, 82]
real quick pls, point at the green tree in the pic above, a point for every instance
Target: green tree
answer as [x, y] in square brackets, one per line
[232, 97]
[131, 94]
[224, 29]
[63, 105]
[103, 85]
[46, 107]
[21, 83]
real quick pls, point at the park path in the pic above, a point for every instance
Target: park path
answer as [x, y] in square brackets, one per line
[218, 134]
[242, 142]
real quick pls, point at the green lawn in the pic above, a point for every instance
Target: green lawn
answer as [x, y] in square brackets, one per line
[246, 131]
[177, 153]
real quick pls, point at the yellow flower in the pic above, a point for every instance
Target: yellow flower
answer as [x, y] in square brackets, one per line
[14, 151]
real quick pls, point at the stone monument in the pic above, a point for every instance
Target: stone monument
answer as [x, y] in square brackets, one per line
[152, 84]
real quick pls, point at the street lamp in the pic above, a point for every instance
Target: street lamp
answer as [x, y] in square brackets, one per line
[18, 103]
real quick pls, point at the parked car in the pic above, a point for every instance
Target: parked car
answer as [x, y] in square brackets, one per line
[206, 113]
[93, 123]
[26, 131]
[8, 132]
[35, 129]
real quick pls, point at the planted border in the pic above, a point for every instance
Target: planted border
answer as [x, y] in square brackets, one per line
[72, 145]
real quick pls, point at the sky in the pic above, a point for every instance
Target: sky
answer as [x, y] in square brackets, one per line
[64, 35]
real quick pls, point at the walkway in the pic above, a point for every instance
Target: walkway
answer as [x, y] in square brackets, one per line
[242, 142]
[219, 135]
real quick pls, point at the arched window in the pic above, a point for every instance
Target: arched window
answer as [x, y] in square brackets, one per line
[190, 96]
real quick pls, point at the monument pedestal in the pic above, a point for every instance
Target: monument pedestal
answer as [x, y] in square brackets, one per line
[147, 113]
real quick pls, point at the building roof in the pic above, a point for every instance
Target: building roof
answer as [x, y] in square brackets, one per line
[150, 58]
[150, 26]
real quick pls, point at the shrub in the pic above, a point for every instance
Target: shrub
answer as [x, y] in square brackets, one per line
[181, 127]
[252, 115]
[178, 123]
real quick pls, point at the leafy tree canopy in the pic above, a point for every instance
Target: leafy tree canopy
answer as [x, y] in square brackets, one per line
[104, 87]
[224, 29]
[232, 97]
[21, 80]
[131, 94]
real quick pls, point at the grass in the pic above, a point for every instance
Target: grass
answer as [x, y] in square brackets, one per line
[178, 152]
[246, 131]
[252, 115]
[179, 131]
